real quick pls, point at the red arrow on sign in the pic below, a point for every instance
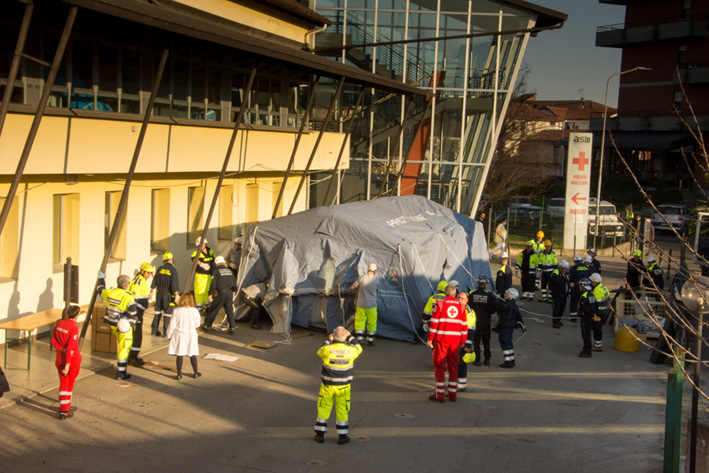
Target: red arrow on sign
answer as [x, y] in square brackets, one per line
[576, 198]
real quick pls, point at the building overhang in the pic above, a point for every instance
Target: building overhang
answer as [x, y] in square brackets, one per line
[180, 19]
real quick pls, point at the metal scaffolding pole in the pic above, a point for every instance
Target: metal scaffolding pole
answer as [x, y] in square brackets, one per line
[126, 189]
[335, 169]
[385, 178]
[306, 117]
[230, 148]
[15, 66]
[49, 83]
[317, 143]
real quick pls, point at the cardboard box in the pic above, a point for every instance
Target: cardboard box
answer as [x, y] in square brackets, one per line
[103, 342]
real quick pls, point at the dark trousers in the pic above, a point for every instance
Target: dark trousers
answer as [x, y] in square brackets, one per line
[164, 305]
[558, 304]
[574, 301]
[224, 299]
[586, 329]
[138, 328]
[504, 335]
[597, 327]
[527, 280]
[546, 275]
[482, 333]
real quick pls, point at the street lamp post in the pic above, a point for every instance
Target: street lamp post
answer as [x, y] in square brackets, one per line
[603, 142]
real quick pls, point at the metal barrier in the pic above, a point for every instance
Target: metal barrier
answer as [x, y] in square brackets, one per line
[648, 302]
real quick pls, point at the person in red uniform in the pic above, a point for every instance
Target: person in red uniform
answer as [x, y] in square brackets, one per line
[65, 339]
[447, 332]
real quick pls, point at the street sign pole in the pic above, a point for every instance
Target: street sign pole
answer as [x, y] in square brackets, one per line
[578, 184]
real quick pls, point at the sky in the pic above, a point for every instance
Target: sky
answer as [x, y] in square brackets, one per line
[565, 60]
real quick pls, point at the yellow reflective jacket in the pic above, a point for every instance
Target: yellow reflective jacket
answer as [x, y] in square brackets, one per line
[119, 303]
[338, 361]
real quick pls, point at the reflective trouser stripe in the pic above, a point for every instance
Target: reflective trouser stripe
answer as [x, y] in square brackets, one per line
[125, 342]
[366, 318]
[340, 397]
[66, 383]
[509, 355]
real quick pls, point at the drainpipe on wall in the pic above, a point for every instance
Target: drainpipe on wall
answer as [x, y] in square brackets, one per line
[306, 40]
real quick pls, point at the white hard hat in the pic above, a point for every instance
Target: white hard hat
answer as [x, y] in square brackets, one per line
[651, 259]
[512, 293]
[454, 283]
[198, 241]
[239, 241]
[564, 264]
[577, 258]
[123, 325]
[372, 267]
[595, 277]
[504, 255]
[588, 259]
[593, 251]
[219, 260]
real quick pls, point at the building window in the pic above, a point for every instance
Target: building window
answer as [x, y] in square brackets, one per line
[252, 203]
[226, 207]
[678, 97]
[118, 248]
[195, 214]
[65, 229]
[160, 221]
[682, 55]
[9, 243]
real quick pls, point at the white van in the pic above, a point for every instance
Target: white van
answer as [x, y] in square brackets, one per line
[608, 215]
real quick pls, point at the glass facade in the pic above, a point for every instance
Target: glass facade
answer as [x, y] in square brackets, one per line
[446, 146]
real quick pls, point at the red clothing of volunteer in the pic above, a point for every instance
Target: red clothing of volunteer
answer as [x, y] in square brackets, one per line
[448, 330]
[65, 340]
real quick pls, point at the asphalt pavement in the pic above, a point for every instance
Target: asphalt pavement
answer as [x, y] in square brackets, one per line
[553, 412]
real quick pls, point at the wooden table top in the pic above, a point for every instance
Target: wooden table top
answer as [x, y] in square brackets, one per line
[34, 321]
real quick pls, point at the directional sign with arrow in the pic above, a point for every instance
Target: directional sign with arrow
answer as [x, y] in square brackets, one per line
[578, 180]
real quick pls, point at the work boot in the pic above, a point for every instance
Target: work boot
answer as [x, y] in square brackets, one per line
[486, 362]
[476, 363]
[435, 399]
[596, 348]
[585, 354]
[255, 327]
[205, 328]
[319, 438]
[136, 361]
[370, 343]
[230, 331]
[124, 377]
[556, 325]
[508, 364]
[66, 415]
[343, 439]
[573, 319]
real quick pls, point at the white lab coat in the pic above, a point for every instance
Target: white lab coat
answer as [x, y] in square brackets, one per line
[182, 332]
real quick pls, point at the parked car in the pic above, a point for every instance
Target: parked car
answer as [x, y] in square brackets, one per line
[676, 214]
[608, 216]
[526, 216]
[520, 201]
[557, 207]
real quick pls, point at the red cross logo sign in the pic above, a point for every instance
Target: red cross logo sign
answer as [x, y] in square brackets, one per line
[452, 312]
[581, 161]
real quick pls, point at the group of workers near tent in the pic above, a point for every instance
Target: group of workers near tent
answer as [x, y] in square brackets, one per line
[457, 324]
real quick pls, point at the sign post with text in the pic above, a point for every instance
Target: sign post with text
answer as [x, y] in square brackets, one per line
[578, 183]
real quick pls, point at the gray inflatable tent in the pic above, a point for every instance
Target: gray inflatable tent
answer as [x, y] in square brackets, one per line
[310, 260]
